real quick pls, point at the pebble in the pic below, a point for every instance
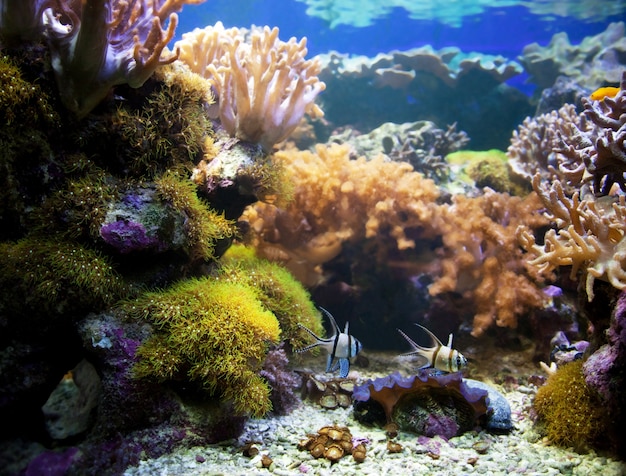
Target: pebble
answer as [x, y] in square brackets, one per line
[517, 452]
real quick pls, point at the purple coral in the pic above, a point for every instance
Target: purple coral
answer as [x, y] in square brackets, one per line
[98, 44]
[283, 382]
[128, 236]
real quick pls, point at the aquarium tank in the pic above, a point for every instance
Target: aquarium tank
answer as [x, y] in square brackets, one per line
[312, 237]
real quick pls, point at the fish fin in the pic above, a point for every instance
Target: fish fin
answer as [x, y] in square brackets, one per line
[332, 320]
[450, 341]
[329, 363]
[433, 336]
[305, 328]
[308, 347]
[422, 362]
[417, 348]
[344, 368]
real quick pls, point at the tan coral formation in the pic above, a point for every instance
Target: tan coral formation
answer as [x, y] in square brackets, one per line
[337, 199]
[264, 85]
[383, 207]
[590, 221]
[589, 238]
[480, 257]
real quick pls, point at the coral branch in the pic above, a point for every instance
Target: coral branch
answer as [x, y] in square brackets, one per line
[264, 84]
[102, 43]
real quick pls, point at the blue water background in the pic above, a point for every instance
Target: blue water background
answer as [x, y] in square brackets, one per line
[502, 31]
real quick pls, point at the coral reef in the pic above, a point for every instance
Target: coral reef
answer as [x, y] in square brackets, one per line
[589, 232]
[592, 63]
[428, 405]
[123, 44]
[339, 200]
[421, 144]
[569, 412]
[216, 332]
[264, 85]
[480, 256]
[99, 212]
[443, 86]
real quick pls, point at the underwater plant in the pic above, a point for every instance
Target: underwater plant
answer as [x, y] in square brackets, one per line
[569, 412]
[204, 227]
[47, 279]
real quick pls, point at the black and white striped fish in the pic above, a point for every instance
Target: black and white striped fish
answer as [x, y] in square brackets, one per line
[341, 346]
[439, 356]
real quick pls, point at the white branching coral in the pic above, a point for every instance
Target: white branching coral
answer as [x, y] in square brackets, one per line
[264, 85]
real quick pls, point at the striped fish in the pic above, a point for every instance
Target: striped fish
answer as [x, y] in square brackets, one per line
[439, 356]
[341, 346]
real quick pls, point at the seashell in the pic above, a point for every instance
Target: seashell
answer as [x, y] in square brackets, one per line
[335, 434]
[266, 461]
[250, 450]
[323, 439]
[347, 385]
[346, 445]
[343, 400]
[391, 429]
[481, 447]
[307, 443]
[317, 451]
[334, 452]
[319, 385]
[394, 447]
[328, 401]
[359, 452]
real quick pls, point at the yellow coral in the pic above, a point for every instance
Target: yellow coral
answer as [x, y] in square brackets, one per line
[204, 226]
[211, 332]
[570, 413]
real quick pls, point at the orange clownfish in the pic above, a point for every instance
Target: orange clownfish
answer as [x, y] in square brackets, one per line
[607, 92]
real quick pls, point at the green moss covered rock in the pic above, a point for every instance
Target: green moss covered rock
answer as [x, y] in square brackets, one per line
[215, 331]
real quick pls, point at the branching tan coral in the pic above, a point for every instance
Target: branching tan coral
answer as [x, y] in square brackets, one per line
[264, 84]
[589, 237]
[480, 257]
[337, 199]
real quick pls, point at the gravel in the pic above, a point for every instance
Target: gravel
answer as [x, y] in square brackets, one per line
[522, 451]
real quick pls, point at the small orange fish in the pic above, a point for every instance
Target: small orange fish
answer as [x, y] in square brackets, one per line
[607, 92]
